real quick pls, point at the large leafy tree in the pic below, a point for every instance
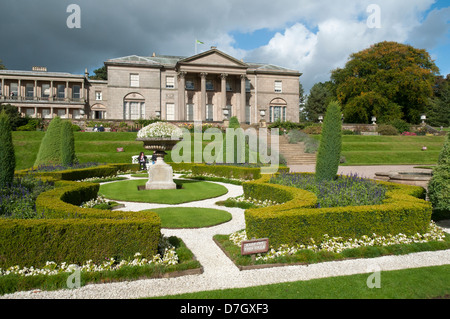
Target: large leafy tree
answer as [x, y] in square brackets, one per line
[389, 80]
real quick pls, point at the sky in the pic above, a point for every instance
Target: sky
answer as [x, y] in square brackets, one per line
[313, 37]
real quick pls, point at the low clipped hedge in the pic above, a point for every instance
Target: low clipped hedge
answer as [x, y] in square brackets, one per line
[82, 173]
[233, 172]
[69, 233]
[297, 221]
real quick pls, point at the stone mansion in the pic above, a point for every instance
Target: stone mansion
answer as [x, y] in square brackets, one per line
[209, 86]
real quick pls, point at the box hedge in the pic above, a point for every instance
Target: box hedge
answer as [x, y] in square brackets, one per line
[297, 221]
[69, 233]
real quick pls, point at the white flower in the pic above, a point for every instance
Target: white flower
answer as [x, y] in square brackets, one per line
[160, 129]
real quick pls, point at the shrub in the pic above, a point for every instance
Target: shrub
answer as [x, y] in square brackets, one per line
[7, 156]
[297, 221]
[313, 129]
[400, 125]
[50, 148]
[67, 144]
[386, 129]
[234, 122]
[328, 155]
[439, 185]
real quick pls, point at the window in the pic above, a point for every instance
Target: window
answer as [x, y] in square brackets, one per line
[13, 89]
[278, 87]
[46, 114]
[170, 111]
[29, 91]
[190, 85]
[45, 90]
[76, 92]
[61, 113]
[76, 114]
[247, 86]
[135, 110]
[134, 80]
[170, 82]
[189, 112]
[30, 112]
[98, 95]
[209, 85]
[277, 113]
[209, 112]
[61, 88]
[229, 88]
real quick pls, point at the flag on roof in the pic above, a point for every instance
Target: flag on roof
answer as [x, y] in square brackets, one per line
[198, 41]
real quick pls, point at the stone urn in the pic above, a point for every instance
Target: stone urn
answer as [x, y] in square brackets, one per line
[160, 174]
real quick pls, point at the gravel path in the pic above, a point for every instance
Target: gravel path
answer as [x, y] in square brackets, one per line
[221, 273]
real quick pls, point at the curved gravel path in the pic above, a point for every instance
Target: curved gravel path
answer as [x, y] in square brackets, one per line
[221, 273]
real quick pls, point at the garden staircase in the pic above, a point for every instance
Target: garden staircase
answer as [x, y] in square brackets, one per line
[295, 153]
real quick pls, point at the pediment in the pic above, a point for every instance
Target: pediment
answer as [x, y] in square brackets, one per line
[214, 57]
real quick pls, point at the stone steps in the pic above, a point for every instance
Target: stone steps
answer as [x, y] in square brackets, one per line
[295, 153]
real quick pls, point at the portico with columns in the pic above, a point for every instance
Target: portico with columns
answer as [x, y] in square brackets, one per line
[208, 84]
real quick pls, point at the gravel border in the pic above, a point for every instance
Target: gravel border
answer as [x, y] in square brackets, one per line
[221, 273]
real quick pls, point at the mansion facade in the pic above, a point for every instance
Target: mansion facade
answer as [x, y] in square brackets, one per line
[208, 87]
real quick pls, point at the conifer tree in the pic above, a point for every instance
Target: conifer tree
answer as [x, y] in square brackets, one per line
[7, 156]
[50, 149]
[329, 153]
[68, 157]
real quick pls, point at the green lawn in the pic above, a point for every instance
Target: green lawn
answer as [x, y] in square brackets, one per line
[191, 191]
[191, 217]
[418, 283]
[396, 150]
[357, 149]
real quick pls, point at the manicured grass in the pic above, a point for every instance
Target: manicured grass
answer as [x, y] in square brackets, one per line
[397, 150]
[191, 217]
[191, 191]
[417, 283]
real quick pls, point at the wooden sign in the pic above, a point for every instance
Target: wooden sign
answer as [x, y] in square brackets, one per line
[254, 246]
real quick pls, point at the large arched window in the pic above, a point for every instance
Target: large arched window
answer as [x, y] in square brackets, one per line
[277, 110]
[133, 106]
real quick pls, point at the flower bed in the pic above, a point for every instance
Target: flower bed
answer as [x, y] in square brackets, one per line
[348, 190]
[297, 220]
[160, 129]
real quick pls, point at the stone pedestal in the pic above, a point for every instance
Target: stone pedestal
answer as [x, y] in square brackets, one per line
[160, 176]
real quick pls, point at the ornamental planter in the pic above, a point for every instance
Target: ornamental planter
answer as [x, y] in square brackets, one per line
[160, 174]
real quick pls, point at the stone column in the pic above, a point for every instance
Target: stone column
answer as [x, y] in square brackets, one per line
[50, 95]
[201, 114]
[3, 87]
[182, 96]
[241, 111]
[66, 91]
[35, 93]
[223, 88]
[19, 90]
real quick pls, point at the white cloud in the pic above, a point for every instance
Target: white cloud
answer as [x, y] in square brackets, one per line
[340, 30]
